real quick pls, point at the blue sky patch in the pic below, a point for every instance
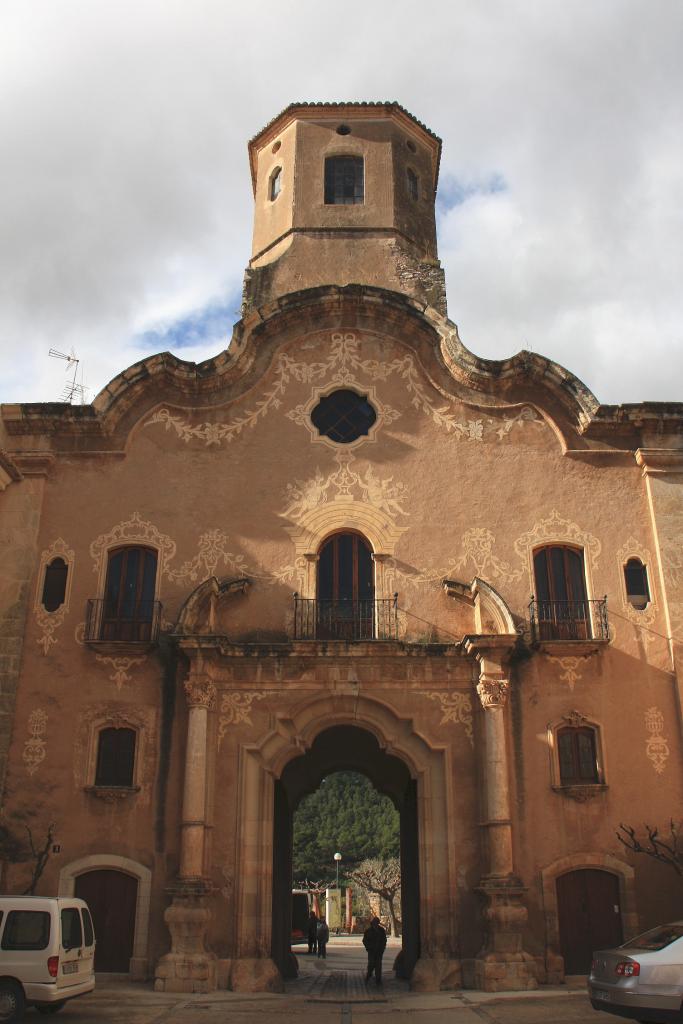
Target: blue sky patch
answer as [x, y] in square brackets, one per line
[212, 322]
[454, 192]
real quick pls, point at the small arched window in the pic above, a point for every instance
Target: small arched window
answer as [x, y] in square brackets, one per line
[413, 183]
[115, 757]
[344, 180]
[637, 588]
[578, 756]
[54, 585]
[275, 186]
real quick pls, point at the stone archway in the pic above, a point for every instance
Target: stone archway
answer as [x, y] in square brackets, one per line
[341, 748]
[262, 770]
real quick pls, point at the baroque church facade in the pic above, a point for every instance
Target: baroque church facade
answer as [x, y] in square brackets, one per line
[346, 542]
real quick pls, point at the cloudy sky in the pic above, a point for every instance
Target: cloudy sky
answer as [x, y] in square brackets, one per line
[125, 195]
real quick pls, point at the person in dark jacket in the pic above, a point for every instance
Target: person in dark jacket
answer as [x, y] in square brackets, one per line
[375, 942]
[313, 932]
[323, 937]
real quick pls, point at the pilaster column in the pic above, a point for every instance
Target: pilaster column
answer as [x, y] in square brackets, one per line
[502, 962]
[201, 697]
[189, 966]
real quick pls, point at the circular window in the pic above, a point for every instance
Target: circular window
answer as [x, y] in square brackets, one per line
[343, 129]
[343, 416]
[276, 146]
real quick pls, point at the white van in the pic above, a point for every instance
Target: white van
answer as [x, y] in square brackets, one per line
[47, 953]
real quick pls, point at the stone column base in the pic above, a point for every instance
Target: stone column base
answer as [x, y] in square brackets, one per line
[436, 974]
[500, 972]
[502, 963]
[189, 967]
[255, 974]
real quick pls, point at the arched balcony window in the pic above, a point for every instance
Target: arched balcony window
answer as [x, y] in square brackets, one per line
[561, 607]
[129, 607]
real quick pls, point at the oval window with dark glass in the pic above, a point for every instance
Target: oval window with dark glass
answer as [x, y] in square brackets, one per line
[343, 416]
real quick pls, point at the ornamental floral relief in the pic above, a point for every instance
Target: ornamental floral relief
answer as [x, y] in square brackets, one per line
[35, 747]
[570, 669]
[344, 367]
[455, 707]
[555, 528]
[235, 708]
[120, 667]
[477, 557]
[49, 622]
[135, 530]
[656, 746]
[345, 482]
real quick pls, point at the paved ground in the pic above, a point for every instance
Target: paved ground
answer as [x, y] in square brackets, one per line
[331, 991]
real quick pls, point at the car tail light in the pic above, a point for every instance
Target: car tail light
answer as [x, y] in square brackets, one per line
[627, 969]
[53, 966]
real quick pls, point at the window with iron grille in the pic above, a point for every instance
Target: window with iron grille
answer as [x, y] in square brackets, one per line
[115, 757]
[344, 180]
[577, 752]
[343, 416]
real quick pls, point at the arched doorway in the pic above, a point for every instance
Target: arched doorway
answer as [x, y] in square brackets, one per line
[339, 748]
[589, 916]
[112, 898]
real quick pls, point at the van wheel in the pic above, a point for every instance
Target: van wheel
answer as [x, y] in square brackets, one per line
[12, 1002]
[51, 1007]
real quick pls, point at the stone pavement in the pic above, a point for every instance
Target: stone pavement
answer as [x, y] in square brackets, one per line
[331, 991]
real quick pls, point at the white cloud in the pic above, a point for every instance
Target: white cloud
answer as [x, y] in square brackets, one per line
[125, 195]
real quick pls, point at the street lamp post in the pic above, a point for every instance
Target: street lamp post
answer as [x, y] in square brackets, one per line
[337, 858]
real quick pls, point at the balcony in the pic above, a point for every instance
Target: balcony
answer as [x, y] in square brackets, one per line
[118, 628]
[346, 620]
[574, 624]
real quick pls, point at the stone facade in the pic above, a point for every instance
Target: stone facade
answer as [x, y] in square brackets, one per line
[453, 700]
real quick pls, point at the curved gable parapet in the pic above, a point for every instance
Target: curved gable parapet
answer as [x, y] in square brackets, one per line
[568, 406]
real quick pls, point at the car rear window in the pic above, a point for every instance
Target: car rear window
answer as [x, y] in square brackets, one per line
[89, 935]
[657, 938]
[72, 934]
[26, 929]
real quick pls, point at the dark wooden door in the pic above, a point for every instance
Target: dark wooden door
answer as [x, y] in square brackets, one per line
[111, 896]
[589, 916]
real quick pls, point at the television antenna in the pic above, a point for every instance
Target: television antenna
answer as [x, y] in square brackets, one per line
[72, 388]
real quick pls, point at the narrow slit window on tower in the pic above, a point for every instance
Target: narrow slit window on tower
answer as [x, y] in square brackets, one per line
[637, 588]
[344, 180]
[413, 184]
[275, 184]
[54, 585]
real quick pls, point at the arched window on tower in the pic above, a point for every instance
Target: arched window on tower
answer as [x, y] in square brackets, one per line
[413, 183]
[344, 181]
[275, 185]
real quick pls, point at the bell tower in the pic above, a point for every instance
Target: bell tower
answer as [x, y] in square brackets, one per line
[344, 194]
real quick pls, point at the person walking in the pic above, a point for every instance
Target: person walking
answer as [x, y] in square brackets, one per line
[375, 942]
[313, 932]
[323, 937]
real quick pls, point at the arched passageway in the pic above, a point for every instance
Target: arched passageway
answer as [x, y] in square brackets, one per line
[343, 748]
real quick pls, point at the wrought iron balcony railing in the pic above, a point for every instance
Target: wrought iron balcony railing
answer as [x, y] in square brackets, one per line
[339, 619]
[569, 620]
[106, 623]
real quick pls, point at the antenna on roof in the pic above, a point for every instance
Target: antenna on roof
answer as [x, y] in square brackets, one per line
[72, 388]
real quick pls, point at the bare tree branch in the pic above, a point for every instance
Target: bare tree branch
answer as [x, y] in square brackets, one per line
[383, 878]
[666, 851]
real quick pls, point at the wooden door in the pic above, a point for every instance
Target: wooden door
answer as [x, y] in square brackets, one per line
[589, 916]
[112, 898]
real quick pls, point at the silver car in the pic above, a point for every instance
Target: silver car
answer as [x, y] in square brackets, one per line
[643, 979]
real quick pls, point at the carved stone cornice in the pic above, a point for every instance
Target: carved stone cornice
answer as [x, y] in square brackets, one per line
[200, 692]
[493, 692]
[655, 461]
